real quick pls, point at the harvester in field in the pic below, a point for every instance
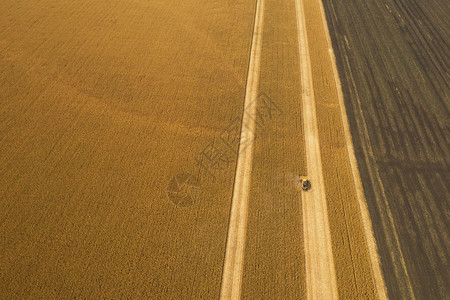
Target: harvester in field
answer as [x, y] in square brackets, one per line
[306, 184]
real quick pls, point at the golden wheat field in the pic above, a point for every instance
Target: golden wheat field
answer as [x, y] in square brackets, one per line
[274, 240]
[102, 104]
[155, 150]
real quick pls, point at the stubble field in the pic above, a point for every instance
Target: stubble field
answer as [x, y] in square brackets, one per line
[393, 59]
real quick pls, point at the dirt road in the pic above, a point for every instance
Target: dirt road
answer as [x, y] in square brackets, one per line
[237, 227]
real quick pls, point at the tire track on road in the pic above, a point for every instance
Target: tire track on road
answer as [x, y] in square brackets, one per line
[237, 228]
[320, 273]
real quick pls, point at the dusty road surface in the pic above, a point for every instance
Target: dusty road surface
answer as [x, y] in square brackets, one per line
[153, 149]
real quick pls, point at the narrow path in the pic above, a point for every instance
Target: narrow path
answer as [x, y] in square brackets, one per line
[320, 273]
[234, 253]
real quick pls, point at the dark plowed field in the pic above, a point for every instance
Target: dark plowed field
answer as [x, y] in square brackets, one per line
[393, 59]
